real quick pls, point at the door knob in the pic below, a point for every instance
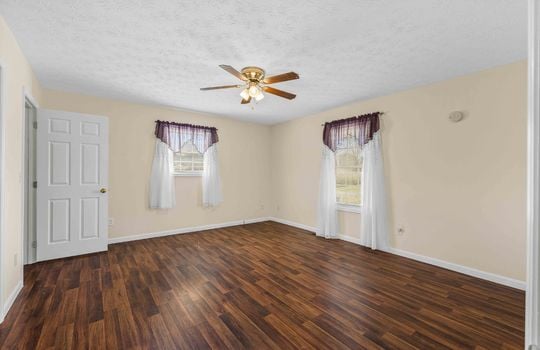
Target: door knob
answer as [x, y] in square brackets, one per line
[103, 190]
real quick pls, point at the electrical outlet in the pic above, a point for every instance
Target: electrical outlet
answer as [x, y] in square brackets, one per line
[261, 207]
[111, 221]
[15, 259]
[400, 231]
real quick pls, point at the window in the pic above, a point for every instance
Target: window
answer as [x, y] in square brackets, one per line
[189, 161]
[348, 173]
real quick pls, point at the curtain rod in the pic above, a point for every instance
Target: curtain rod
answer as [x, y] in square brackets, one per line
[186, 124]
[380, 113]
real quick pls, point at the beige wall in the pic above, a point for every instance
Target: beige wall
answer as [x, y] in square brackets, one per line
[244, 156]
[18, 77]
[458, 189]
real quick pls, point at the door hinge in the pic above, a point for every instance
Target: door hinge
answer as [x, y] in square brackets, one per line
[35, 125]
[34, 244]
[34, 184]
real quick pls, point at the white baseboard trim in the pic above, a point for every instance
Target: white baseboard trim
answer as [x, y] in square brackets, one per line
[293, 224]
[256, 220]
[507, 281]
[10, 300]
[182, 230]
[351, 239]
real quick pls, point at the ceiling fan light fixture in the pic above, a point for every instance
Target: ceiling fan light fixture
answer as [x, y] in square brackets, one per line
[245, 94]
[255, 82]
[254, 90]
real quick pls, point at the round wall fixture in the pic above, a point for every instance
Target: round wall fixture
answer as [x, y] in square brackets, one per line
[456, 116]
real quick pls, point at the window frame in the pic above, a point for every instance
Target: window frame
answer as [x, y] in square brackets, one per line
[187, 173]
[348, 207]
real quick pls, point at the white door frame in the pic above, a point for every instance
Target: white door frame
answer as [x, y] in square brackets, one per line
[26, 96]
[532, 321]
[2, 158]
[29, 154]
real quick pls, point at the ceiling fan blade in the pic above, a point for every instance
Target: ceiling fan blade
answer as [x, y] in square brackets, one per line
[220, 87]
[278, 92]
[233, 72]
[246, 101]
[281, 77]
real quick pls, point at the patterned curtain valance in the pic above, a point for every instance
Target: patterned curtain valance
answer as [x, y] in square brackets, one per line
[176, 135]
[360, 128]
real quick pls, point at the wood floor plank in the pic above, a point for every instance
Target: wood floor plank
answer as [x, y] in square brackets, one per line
[257, 286]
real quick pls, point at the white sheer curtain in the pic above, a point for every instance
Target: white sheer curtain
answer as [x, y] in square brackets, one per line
[162, 191]
[327, 216]
[374, 229]
[211, 181]
[364, 129]
[171, 136]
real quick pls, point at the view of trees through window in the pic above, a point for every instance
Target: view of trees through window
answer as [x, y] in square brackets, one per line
[348, 173]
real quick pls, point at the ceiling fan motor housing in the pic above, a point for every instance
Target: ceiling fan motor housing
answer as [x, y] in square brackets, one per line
[253, 74]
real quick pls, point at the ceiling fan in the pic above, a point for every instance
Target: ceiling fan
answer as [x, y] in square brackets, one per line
[255, 82]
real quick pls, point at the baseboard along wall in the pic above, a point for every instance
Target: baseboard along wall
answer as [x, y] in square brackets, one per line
[182, 230]
[507, 281]
[10, 300]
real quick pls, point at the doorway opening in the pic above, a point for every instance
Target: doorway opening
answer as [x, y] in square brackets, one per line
[30, 183]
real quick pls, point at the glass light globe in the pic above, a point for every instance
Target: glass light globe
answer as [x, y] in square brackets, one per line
[259, 97]
[254, 90]
[245, 94]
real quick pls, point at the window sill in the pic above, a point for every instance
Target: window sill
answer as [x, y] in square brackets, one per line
[350, 208]
[193, 174]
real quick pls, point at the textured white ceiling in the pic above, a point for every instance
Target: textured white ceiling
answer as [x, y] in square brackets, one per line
[162, 51]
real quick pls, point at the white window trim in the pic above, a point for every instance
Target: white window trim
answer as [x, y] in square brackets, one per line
[188, 174]
[350, 208]
[346, 207]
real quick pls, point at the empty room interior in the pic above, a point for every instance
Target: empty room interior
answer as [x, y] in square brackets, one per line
[348, 174]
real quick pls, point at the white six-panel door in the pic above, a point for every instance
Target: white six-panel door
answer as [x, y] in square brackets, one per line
[72, 180]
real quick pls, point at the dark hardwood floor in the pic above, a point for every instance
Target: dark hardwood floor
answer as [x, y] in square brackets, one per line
[257, 286]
